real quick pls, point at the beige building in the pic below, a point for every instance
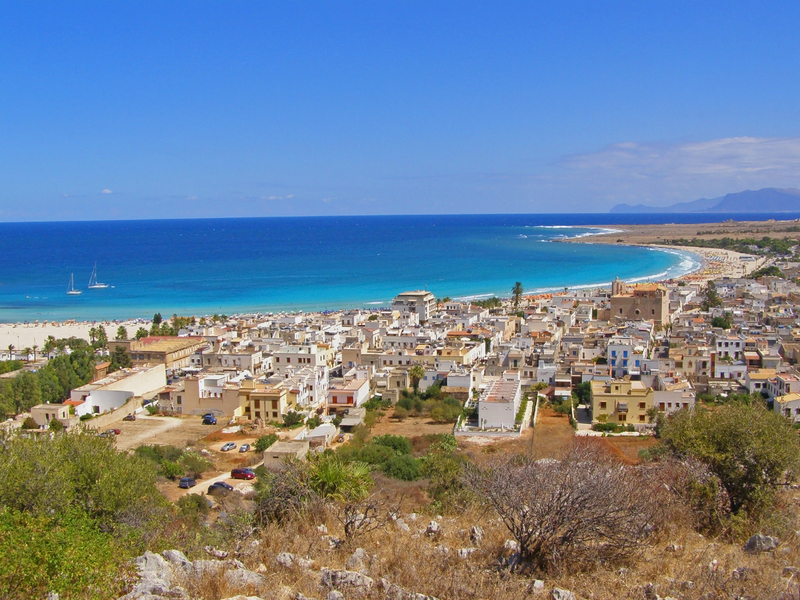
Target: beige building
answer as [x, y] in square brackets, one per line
[645, 302]
[421, 302]
[276, 455]
[172, 352]
[267, 403]
[621, 401]
[44, 413]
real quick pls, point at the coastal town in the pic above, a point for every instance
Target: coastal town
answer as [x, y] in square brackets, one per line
[230, 412]
[638, 349]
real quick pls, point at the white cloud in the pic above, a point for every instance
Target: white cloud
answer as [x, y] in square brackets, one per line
[191, 197]
[660, 172]
[287, 197]
[106, 191]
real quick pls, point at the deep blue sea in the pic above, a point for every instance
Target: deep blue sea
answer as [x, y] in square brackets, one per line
[206, 266]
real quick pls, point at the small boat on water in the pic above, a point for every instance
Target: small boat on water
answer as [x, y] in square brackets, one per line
[71, 291]
[93, 284]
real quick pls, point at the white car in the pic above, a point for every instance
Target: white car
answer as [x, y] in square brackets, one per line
[228, 446]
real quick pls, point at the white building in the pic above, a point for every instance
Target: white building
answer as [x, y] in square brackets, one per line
[499, 403]
[421, 302]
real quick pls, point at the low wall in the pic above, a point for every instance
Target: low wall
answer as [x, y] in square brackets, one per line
[106, 419]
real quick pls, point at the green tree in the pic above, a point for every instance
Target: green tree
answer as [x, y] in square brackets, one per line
[711, 298]
[141, 333]
[723, 322]
[416, 373]
[122, 333]
[264, 442]
[292, 418]
[120, 359]
[516, 294]
[157, 319]
[751, 449]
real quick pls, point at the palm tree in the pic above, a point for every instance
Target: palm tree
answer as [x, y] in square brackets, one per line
[516, 294]
[122, 333]
[35, 348]
[416, 373]
[27, 352]
[11, 352]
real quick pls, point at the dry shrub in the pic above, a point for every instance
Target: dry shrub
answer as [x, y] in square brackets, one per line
[586, 508]
[696, 490]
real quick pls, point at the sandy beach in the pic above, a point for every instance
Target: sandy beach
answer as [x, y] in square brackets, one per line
[717, 262]
[26, 335]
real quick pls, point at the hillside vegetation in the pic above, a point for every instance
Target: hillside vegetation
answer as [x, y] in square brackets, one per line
[428, 516]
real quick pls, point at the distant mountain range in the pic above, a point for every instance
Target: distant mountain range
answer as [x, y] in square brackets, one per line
[750, 201]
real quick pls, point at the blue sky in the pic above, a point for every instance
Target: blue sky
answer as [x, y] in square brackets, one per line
[113, 110]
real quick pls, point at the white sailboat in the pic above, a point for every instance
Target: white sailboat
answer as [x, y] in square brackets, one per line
[71, 291]
[93, 284]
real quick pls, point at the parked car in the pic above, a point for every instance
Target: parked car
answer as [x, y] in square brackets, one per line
[209, 420]
[220, 487]
[187, 482]
[244, 448]
[110, 432]
[243, 474]
[228, 446]
[129, 417]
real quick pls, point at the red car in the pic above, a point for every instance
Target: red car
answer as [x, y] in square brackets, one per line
[243, 474]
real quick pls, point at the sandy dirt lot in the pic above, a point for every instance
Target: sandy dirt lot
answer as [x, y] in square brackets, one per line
[410, 427]
[174, 431]
[627, 448]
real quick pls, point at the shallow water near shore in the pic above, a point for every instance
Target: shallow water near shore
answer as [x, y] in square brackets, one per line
[205, 266]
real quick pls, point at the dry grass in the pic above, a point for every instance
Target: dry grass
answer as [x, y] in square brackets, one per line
[700, 569]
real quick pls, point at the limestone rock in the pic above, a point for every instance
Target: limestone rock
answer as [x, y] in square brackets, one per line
[241, 578]
[216, 553]
[395, 592]
[465, 552]
[334, 595]
[761, 543]
[537, 584]
[285, 559]
[402, 525]
[476, 535]
[561, 594]
[155, 577]
[356, 560]
[433, 528]
[342, 578]
[511, 545]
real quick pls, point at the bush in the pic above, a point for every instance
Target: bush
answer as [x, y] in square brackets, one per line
[264, 442]
[400, 413]
[293, 419]
[194, 465]
[577, 512]
[751, 449]
[399, 443]
[404, 467]
[193, 506]
[171, 470]
[29, 423]
[39, 556]
[604, 427]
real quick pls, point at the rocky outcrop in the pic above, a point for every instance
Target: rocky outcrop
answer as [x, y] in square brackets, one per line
[164, 576]
[761, 543]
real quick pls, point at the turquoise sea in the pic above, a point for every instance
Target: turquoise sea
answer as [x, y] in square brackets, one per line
[203, 266]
